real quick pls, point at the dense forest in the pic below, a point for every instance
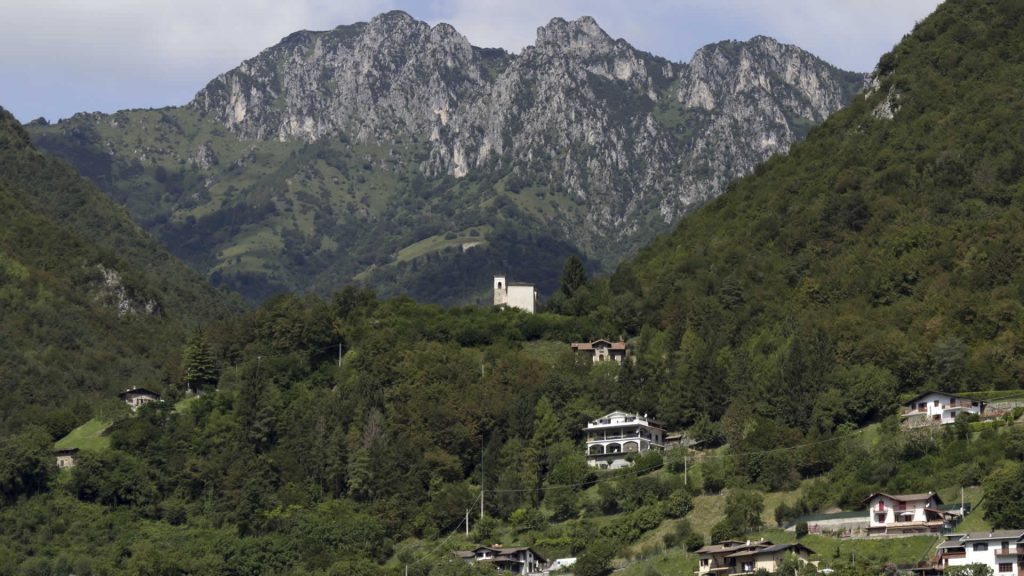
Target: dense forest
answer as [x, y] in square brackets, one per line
[780, 326]
[89, 303]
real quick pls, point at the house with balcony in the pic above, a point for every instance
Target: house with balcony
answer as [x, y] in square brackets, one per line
[612, 437]
[519, 560]
[136, 397]
[908, 514]
[938, 408]
[739, 557]
[1000, 550]
[601, 350]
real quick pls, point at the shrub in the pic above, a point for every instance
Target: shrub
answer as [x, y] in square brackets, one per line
[679, 504]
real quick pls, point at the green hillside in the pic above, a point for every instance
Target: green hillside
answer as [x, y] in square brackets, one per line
[266, 217]
[778, 326]
[90, 303]
[880, 256]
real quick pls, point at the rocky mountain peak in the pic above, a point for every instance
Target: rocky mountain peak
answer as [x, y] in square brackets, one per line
[583, 37]
[587, 134]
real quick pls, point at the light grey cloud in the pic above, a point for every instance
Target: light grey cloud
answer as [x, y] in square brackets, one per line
[64, 56]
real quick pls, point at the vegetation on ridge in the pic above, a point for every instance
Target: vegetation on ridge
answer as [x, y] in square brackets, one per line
[779, 325]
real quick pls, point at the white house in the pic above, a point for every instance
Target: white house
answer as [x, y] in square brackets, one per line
[1000, 550]
[601, 350]
[932, 408]
[613, 436]
[906, 513]
[514, 560]
[514, 295]
[136, 397]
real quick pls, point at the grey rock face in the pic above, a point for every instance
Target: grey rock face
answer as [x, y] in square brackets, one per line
[636, 138]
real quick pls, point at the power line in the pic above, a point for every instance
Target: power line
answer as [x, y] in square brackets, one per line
[442, 543]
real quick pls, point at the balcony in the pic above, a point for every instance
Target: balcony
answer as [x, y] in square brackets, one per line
[618, 436]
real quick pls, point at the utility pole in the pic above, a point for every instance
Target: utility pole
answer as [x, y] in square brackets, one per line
[686, 470]
[467, 522]
[339, 354]
[481, 475]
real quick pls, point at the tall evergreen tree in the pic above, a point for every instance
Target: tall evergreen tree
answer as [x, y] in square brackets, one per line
[198, 366]
[574, 275]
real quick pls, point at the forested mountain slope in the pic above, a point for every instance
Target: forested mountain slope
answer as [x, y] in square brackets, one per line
[90, 304]
[778, 325]
[881, 255]
[398, 155]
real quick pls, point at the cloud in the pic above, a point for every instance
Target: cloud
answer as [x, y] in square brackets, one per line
[63, 56]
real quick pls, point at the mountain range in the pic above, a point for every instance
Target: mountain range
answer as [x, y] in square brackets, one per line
[396, 154]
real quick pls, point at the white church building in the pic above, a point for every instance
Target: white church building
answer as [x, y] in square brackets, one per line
[514, 295]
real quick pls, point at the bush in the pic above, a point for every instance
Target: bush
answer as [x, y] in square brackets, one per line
[801, 529]
[679, 504]
[694, 541]
[713, 476]
[595, 560]
[723, 530]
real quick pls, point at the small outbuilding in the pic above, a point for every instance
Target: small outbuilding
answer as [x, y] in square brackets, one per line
[66, 457]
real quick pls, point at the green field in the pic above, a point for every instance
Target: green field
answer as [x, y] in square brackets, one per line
[89, 436]
[441, 241]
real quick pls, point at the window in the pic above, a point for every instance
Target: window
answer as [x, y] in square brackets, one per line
[1005, 567]
[879, 517]
[704, 562]
[980, 546]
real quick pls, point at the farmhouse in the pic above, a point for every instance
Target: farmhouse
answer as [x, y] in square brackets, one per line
[936, 408]
[907, 513]
[514, 560]
[601, 350]
[514, 295]
[136, 397]
[613, 436]
[66, 458]
[1000, 550]
[738, 557]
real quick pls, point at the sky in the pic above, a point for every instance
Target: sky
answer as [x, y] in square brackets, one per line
[59, 57]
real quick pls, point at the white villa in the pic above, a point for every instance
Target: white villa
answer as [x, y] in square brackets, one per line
[906, 513]
[1000, 550]
[136, 397]
[514, 295]
[611, 437]
[601, 350]
[514, 560]
[933, 408]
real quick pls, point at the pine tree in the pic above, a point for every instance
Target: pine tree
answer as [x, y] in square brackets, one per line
[574, 275]
[197, 364]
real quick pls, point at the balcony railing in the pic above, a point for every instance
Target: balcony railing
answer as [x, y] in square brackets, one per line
[604, 437]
